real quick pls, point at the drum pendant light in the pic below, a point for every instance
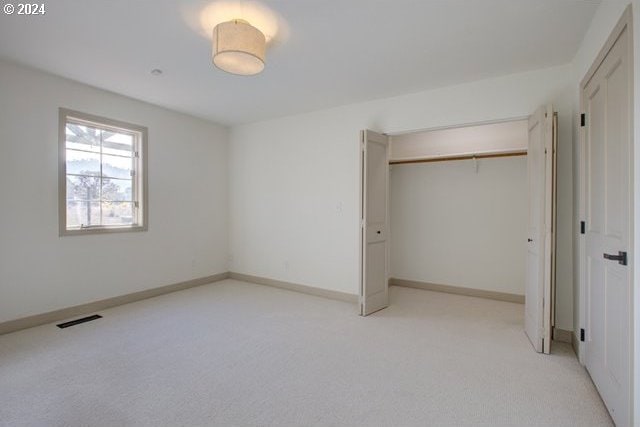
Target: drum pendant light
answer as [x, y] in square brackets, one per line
[238, 48]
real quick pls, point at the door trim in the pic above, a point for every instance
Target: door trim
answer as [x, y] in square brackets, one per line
[625, 22]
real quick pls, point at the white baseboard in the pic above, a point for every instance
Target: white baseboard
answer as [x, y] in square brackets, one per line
[79, 310]
[305, 289]
[479, 293]
[69, 312]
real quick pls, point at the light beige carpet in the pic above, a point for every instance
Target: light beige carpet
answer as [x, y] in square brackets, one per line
[237, 354]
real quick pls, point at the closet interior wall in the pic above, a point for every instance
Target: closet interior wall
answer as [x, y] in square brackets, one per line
[458, 206]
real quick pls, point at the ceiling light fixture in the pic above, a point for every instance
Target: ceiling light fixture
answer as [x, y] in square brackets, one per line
[238, 48]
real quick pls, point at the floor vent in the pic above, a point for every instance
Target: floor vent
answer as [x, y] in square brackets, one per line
[78, 321]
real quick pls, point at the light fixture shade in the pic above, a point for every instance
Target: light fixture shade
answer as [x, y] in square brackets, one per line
[238, 48]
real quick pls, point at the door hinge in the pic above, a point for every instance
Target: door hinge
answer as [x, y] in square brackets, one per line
[583, 119]
[583, 227]
[581, 334]
[136, 154]
[136, 204]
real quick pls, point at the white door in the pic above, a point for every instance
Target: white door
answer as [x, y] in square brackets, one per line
[374, 287]
[607, 154]
[540, 181]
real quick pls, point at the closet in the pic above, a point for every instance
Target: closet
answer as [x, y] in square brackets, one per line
[467, 210]
[458, 209]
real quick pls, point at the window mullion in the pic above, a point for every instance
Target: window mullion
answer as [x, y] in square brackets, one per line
[101, 175]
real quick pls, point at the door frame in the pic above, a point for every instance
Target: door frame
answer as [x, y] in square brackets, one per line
[360, 181]
[625, 21]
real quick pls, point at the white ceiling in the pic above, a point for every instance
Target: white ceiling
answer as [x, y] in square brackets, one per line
[336, 52]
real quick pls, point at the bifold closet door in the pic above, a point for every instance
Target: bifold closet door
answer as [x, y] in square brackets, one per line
[540, 185]
[374, 225]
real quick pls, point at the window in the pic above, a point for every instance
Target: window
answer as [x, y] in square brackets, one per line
[102, 175]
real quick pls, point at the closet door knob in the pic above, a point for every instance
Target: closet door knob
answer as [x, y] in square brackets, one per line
[529, 240]
[378, 232]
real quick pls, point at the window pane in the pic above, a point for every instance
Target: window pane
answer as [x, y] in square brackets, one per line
[83, 187]
[83, 163]
[117, 189]
[75, 211]
[117, 213]
[82, 213]
[116, 167]
[118, 144]
[83, 137]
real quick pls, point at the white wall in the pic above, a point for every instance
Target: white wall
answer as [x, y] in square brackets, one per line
[564, 237]
[187, 236]
[294, 181]
[454, 226]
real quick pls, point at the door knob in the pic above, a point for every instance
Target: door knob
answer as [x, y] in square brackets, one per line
[529, 240]
[621, 257]
[378, 232]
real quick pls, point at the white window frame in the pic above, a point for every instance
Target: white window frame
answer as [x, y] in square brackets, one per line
[140, 197]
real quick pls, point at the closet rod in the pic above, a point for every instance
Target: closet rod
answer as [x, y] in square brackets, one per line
[460, 157]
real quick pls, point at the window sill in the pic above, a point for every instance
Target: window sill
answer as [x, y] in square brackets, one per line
[102, 230]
